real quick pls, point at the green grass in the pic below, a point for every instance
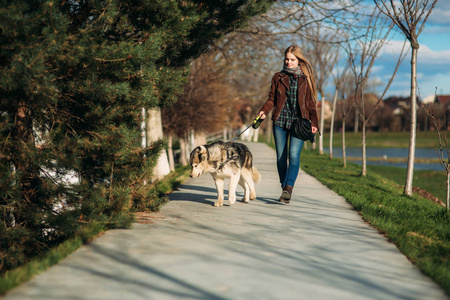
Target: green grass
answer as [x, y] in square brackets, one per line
[156, 196]
[382, 140]
[419, 228]
[433, 182]
[152, 196]
[15, 277]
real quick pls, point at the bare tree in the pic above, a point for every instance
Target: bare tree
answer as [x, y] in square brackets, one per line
[207, 104]
[287, 22]
[443, 151]
[339, 79]
[249, 56]
[323, 57]
[410, 16]
[345, 108]
[293, 18]
[362, 55]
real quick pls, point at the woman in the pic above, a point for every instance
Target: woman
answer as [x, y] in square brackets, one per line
[293, 93]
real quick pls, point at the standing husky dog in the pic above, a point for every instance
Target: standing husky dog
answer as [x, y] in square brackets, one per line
[226, 160]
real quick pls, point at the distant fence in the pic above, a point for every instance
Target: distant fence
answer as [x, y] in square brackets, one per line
[219, 135]
[227, 134]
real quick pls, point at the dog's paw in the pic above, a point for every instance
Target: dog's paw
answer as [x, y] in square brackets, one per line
[218, 204]
[245, 200]
[252, 196]
[232, 200]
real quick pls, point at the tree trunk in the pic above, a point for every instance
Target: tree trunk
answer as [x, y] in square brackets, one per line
[448, 191]
[332, 122]
[322, 114]
[143, 131]
[255, 135]
[356, 128]
[183, 153]
[191, 143]
[344, 155]
[412, 134]
[225, 134]
[199, 139]
[269, 127]
[170, 153]
[314, 144]
[154, 133]
[364, 155]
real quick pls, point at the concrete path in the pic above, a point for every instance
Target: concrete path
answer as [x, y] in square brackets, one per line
[317, 247]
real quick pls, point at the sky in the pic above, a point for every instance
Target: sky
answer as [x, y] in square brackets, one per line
[433, 68]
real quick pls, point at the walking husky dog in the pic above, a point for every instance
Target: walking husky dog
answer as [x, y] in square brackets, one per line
[226, 160]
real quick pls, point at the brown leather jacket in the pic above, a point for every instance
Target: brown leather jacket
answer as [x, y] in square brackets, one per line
[278, 96]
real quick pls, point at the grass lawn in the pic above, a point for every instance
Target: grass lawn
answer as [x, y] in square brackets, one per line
[433, 182]
[382, 139]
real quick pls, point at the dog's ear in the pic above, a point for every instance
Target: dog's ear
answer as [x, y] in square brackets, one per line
[193, 155]
[198, 155]
[203, 154]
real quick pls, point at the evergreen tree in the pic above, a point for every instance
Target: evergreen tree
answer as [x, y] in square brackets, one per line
[74, 76]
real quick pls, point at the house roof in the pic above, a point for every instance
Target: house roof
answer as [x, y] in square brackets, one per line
[444, 99]
[394, 102]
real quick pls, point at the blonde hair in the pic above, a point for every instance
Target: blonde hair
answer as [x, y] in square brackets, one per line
[305, 66]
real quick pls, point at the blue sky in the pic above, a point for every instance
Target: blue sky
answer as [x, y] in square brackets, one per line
[433, 69]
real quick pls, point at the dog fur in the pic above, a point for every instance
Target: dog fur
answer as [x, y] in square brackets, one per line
[226, 160]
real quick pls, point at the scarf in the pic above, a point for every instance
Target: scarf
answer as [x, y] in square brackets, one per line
[295, 71]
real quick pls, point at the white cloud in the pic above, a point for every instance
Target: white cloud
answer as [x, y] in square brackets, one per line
[429, 56]
[434, 83]
[425, 54]
[377, 69]
[432, 30]
[427, 84]
[433, 57]
[393, 48]
[440, 14]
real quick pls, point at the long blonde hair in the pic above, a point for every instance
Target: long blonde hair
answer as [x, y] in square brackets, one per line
[305, 66]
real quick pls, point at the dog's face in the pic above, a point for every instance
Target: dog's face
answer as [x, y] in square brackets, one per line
[198, 161]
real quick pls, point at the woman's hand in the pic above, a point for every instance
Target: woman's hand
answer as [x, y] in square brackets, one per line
[314, 129]
[262, 115]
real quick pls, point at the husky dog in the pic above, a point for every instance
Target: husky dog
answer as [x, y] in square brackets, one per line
[226, 160]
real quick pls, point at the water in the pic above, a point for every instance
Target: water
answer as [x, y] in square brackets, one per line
[392, 153]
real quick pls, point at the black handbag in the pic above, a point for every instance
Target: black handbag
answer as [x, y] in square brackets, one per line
[301, 129]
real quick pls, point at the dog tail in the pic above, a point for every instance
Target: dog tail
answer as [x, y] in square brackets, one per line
[256, 175]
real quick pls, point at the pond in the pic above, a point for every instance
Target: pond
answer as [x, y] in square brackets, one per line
[386, 153]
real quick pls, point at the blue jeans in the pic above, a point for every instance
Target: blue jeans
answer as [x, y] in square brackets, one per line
[284, 144]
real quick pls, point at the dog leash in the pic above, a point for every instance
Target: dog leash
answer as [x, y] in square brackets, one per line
[255, 124]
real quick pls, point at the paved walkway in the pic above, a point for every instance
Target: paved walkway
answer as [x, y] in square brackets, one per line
[317, 247]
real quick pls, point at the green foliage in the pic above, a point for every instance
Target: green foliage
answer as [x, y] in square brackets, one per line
[419, 227]
[152, 196]
[75, 75]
